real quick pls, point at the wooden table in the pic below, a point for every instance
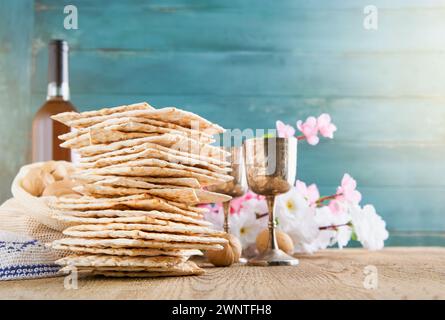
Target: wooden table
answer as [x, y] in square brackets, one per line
[402, 273]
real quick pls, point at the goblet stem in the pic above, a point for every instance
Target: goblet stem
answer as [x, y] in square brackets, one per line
[272, 223]
[226, 208]
[273, 255]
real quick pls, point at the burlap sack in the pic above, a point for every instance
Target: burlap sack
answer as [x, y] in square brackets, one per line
[36, 208]
[26, 226]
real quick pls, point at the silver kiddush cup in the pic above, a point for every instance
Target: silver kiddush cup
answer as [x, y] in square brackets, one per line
[236, 187]
[271, 169]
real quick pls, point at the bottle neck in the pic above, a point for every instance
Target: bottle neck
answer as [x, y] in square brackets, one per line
[58, 91]
[58, 78]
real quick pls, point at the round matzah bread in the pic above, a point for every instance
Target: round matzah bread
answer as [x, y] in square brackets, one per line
[136, 234]
[165, 164]
[135, 243]
[153, 153]
[170, 114]
[152, 172]
[178, 182]
[182, 195]
[103, 136]
[135, 186]
[182, 266]
[133, 182]
[206, 196]
[89, 199]
[189, 132]
[136, 126]
[116, 123]
[141, 147]
[135, 200]
[66, 117]
[139, 125]
[120, 274]
[172, 141]
[123, 199]
[127, 251]
[78, 132]
[141, 203]
[71, 220]
[170, 228]
[123, 216]
[119, 261]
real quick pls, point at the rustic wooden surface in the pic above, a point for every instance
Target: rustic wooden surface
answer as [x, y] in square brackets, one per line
[403, 273]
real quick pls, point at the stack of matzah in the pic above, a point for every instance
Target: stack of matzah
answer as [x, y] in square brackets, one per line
[141, 173]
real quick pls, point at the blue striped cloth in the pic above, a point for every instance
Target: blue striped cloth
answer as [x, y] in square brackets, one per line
[24, 258]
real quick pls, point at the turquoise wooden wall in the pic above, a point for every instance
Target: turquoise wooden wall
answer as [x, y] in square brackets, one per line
[247, 63]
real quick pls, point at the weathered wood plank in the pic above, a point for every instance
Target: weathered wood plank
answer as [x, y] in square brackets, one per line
[163, 5]
[16, 24]
[251, 73]
[422, 239]
[403, 273]
[245, 26]
[374, 165]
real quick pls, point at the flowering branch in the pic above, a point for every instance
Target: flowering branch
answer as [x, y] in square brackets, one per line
[262, 215]
[335, 227]
[312, 221]
[320, 201]
[309, 129]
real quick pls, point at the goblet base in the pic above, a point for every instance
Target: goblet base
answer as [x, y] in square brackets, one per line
[273, 257]
[242, 260]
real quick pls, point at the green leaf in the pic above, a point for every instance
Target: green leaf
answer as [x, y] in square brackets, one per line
[269, 135]
[354, 236]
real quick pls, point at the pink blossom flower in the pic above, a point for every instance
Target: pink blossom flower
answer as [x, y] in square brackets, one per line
[336, 206]
[236, 204]
[311, 192]
[347, 191]
[251, 195]
[284, 130]
[309, 128]
[325, 126]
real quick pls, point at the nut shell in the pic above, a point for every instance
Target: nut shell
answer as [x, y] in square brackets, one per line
[36, 181]
[59, 188]
[62, 170]
[227, 256]
[285, 242]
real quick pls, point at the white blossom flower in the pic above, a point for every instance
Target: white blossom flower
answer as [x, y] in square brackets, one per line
[342, 236]
[253, 205]
[322, 241]
[369, 227]
[291, 202]
[301, 227]
[246, 227]
[296, 217]
[321, 238]
[341, 231]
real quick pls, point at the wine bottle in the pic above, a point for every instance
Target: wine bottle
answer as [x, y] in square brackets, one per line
[45, 131]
